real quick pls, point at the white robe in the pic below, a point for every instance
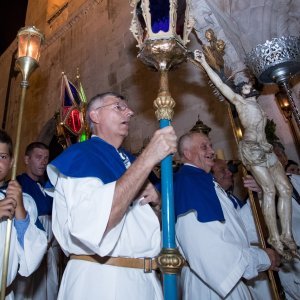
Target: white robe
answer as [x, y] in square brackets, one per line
[289, 273]
[81, 211]
[259, 286]
[219, 255]
[43, 283]
[23, 261]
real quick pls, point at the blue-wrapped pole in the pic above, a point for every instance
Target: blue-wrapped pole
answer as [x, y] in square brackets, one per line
[168, 218]
[170, 261]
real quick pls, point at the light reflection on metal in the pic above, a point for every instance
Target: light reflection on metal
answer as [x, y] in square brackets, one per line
[170, 261]
[201, 127]
[284, 104]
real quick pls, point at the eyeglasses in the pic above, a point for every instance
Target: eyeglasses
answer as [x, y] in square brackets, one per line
[4, 156]
[117, 106]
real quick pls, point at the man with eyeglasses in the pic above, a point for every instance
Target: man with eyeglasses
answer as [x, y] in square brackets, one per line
[104, 208]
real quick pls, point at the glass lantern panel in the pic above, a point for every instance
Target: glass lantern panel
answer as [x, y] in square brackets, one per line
[181, 8]
[160, 15]
[67, 100]
[139, 14]
[74, 92]
[22, 45]
[83, 137]
[34, 47]
[71, 96]
[74, 121]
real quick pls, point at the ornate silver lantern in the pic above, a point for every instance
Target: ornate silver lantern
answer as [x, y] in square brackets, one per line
[276, 61]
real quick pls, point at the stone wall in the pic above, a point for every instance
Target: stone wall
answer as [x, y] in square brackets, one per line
[94, 36]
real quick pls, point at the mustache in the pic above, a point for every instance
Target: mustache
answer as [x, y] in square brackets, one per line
[253, 93]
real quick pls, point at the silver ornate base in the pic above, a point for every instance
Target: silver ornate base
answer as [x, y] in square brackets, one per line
[275, 60]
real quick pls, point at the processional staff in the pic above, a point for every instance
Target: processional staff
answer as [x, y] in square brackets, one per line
[30, 40]
[161, 29]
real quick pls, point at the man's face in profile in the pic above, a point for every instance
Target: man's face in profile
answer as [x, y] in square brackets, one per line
[222, 174]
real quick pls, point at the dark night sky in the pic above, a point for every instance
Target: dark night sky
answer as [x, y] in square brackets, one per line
[13, 13]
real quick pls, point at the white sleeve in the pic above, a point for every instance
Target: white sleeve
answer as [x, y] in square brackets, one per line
[295, 180]
[35, 241]
[81, 211]
[216, 257]
[248, 220]
[262, 261]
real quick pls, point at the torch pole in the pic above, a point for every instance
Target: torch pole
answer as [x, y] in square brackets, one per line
[169, 260]
[29, 44]
[24, 86]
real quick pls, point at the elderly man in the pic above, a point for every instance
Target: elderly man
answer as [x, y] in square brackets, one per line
[103, 210]
[209, 231]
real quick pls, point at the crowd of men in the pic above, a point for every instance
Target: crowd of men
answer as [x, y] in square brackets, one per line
[103, 212]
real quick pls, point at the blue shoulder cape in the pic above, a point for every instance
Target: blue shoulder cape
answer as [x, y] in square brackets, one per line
[92, 158]
[37, 222]
[43, 202]
[194, 190]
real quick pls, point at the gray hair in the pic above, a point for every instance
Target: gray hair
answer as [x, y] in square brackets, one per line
[185, 142]
[98, 98]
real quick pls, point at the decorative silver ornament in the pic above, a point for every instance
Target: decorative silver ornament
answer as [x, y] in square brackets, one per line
[276, 60]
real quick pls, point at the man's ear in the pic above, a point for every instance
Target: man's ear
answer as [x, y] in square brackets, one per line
[94, 116]
[187, 154]
[26, 160]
